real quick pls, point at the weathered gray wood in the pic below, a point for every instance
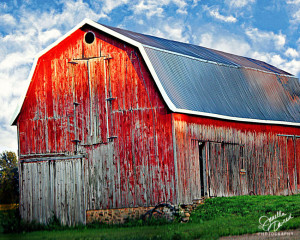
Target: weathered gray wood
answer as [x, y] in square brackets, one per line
[268, 161]
[52, 158]
[55, 187]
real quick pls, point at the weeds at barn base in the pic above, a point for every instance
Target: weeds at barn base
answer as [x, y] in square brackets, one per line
[222, 216]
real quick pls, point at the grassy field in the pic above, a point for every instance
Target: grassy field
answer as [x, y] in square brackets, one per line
[217, 217]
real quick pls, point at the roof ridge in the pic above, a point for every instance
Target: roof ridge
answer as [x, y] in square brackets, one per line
[217, 63]
[256, 64]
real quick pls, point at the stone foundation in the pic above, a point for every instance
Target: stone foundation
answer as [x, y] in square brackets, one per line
[186, 209]
[117, 215]
[121, 215]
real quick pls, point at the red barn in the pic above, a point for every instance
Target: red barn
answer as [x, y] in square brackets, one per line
[117, 119]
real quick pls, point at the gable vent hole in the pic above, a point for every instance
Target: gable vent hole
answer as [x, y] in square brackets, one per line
[89, 37]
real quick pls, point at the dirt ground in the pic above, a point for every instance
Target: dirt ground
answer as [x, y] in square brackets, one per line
[282, 235]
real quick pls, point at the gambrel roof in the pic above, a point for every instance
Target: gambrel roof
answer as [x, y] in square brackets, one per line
[206, 82]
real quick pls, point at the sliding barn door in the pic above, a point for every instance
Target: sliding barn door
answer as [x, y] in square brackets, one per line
[225, 163]
[53, 188]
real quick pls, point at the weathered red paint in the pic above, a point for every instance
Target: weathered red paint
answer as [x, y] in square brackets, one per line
[137, 152]
[137, 117]
[271, 161]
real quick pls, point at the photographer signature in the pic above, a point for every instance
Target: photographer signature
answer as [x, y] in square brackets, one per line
[274, 223]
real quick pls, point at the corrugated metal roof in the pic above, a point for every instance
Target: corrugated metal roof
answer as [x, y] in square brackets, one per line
[251, 63]
[202, 80]
[228, 91]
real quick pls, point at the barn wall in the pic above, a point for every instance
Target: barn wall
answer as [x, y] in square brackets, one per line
[139, 169]
[271, 162]
[99, 100]
[53, 187]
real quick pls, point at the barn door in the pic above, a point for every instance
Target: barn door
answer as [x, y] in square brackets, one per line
[90, 100]
[202, 168]
[224, 165]
[290, 155]
[53, 187]
[217, 167]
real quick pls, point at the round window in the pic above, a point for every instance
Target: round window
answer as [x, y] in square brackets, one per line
[89, 37]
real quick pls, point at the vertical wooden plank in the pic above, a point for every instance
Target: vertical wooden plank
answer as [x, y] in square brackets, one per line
[21, 188]
[63, 165]
[39, 192]
[32, 183]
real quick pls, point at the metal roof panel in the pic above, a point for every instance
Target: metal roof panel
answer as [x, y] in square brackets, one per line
[217, 89]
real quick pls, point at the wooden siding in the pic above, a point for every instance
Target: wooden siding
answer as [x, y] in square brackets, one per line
[119, 117]
[271, 161]
[49, 188]
[99, 100]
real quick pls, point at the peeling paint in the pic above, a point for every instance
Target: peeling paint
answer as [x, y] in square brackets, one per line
[100, 101]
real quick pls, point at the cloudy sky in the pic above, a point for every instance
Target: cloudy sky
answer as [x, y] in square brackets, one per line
[267, 30]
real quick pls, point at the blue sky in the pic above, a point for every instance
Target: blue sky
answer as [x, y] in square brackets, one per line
[267, 30]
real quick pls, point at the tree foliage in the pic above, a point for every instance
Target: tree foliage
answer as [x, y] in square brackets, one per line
[9, 178]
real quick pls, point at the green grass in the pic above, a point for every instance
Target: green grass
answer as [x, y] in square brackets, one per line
[217, 217]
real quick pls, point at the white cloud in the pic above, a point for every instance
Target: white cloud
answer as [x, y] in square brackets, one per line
[225, 43]
[180, 3]
[195, 3]
[293, 2]
[3, 5]
[150, 8]
[46, 36]
[140, 21]
[296, 17]
[156, 8]
[8, 139]
[214, 12]
[239, 3]
[219, 40]
[16, 59]
[109, 5]
[294, 8]
[7, 19]
[173, 32]
[277, 60]
[292, 66]
[291, 52]
[266, 39]
[181, 11]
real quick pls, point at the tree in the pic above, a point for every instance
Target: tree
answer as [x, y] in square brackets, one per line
[9, 178]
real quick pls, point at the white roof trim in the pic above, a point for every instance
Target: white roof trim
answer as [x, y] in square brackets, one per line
[238, 119]
[152, 71]
[194, 58]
